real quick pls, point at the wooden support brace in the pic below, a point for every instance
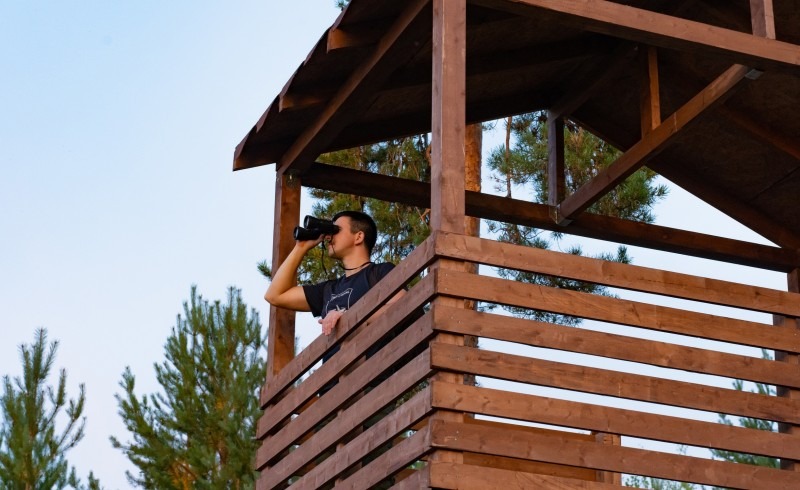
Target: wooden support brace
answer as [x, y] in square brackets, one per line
[651, 144]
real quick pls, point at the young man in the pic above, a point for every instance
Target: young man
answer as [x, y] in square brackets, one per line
[352, 245]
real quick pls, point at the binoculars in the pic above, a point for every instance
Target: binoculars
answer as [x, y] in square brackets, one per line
[314, 227]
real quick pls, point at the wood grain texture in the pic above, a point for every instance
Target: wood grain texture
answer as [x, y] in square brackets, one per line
[472, 477]
[612, 346]
[625, 276]
[339, 394]
[466, 437]
[585, 416]
[613, 310]
[613, 383]
[448, 121]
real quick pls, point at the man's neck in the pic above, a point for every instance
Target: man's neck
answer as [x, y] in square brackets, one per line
[354, 263]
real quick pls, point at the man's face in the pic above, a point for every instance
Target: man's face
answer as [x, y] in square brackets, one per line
[342, 241]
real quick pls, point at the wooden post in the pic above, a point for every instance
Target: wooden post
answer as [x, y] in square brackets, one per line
[280, 340]
[448, 121]
[448, 115]
[762, 18]
[555, 162]
[650, 102]
[793, 280]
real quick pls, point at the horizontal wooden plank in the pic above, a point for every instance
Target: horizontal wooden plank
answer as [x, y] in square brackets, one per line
[516, 211]
[527, 466]
[613, 346]
[346, 421]
[545, 410]
[337, 396]
[471, 477]
[394, 460]
[613, 383]
[625, 276]
[420, 479]
[369, 440]
[506, 442]
[409, 268]
[614, 310]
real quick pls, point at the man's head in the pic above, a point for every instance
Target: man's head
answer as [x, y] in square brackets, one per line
[361, 222]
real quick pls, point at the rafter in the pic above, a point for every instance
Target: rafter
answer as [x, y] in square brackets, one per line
[650, 101]
[650, 145]
[666, 31]
[515, 211]
[394, 49]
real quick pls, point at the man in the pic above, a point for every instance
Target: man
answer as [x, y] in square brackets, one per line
[352, 245]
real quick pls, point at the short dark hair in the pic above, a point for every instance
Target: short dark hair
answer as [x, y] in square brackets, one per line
[361, 222]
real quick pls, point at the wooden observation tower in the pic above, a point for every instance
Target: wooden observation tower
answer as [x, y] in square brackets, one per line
[706, 93]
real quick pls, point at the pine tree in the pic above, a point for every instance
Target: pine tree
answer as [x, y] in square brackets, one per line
[199, 433]
[32, 450]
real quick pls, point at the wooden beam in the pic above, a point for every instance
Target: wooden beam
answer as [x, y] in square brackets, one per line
[280, 337]
[448, 115]
[650, 101]
[354, 35]
[486, 206]
[653, 28]
[396, 46]
[555, 159]
[762, 18]
[651, 144]
[741, 211]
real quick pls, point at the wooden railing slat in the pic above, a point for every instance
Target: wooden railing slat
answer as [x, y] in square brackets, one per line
[626, 276]
[577, 415]
[453, 476]
[614, 310]
[372, 438]
[415, 334]
[511, 443]
[613, 346]
[612, 383]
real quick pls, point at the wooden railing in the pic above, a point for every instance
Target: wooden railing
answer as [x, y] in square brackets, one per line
[377, 425]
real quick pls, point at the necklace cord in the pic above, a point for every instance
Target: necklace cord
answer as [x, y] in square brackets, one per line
[358, 267]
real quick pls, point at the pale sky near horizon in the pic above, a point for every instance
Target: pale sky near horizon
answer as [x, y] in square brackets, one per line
[118, 122]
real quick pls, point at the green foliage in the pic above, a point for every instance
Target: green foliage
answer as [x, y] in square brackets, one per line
[657, 483]
[32, 451]
[199, 433]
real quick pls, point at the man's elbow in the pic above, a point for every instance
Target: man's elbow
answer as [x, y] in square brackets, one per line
[272, 298]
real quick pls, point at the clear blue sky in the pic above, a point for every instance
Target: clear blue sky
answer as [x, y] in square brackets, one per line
[118, 122]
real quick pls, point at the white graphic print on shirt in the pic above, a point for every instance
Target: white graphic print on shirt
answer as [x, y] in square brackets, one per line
[338, 301]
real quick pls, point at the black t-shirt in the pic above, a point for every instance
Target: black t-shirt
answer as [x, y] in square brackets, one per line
[343, 292]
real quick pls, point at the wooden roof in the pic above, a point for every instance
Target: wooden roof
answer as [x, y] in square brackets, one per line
[368, 79]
